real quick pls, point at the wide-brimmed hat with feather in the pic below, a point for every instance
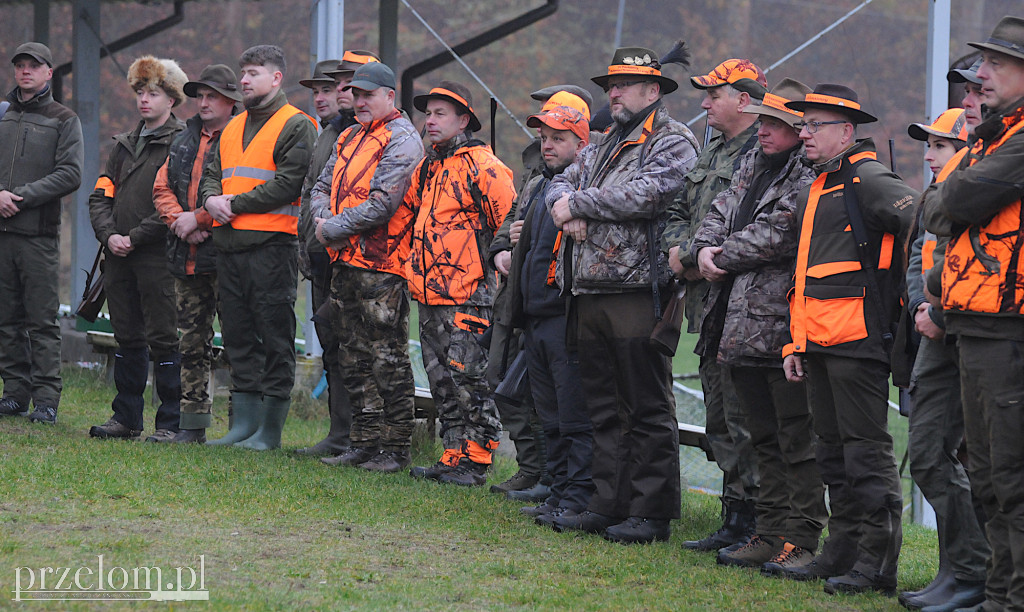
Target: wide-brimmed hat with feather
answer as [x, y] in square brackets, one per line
[645, 63]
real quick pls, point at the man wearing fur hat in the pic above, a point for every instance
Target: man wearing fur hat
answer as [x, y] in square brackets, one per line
[728, 89]
[611, 205]
[37, 172]
[459, 196]
[745, 247]
[138, 282]
[849, 265]
[190, 249]
[252, 188]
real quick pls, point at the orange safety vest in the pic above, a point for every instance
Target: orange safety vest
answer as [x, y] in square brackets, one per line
[383, 248]
[826, 314]
[987, 279]
[242, 170]
[928, 247]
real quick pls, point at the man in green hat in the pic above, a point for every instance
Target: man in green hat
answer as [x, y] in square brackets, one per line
[979, 207]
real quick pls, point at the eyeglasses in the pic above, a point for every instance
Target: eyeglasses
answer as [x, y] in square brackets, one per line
[621, 85]
[812, 127]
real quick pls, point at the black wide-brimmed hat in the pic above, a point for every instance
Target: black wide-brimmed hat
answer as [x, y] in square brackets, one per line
[456, 93]
[218, 77]
[1007, 37]
[836, 98]
[320, 77]
[640, 62]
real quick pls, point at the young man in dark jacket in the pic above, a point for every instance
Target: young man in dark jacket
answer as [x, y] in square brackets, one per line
[41, 162]
[140, 288]
[190, 248]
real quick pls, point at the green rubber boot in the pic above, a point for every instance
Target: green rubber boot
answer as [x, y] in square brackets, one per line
[247, 411]
[268, 436]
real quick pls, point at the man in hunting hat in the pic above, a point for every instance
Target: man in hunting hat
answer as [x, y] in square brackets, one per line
[138, 282]
[611, 205]
[329, 85]
[190, 250]
[978, 206]
[360, 194]
[37, 173]
[745, 247]
[459, 197]
[853, 220]
[728, 89]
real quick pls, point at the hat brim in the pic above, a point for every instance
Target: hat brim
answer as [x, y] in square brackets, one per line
[781, 115]
[337, 74]
[667, 84]
[855, 115]
[919, 131]
[963, 75]
[364, 85]
[420, 103]
[311, 82]
[191, 89]
[986, 46]
[38, 58]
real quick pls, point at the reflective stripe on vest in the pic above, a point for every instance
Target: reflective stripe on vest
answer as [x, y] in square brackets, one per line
[983, 268]
[242, 170]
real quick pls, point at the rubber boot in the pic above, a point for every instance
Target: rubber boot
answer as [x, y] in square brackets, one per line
[247, 410]
[268, 436]
[943, 578]
[131, 371]
[340, 409]
[167, 378]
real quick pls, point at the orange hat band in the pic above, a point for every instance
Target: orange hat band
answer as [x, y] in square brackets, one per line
[626, 69]
[357, 59]
[778, 103]
[441, 91]
[833, 100]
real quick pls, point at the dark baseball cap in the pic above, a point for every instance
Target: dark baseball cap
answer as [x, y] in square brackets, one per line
[37, 51]
[372, 76]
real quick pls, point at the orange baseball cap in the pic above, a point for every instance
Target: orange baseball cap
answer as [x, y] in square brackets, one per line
[742, 74]
[564, 111]
[950, 124]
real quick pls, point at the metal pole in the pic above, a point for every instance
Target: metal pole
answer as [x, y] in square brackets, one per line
[86, 94]
[389, 33]
[936, 89]
[618, 24]
[334, 38]
[41, 21]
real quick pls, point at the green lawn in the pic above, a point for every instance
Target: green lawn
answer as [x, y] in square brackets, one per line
[281, 532]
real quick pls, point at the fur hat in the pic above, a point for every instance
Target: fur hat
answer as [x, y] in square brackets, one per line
[148, 71]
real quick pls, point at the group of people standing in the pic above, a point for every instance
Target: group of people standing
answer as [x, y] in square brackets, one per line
[791, 248]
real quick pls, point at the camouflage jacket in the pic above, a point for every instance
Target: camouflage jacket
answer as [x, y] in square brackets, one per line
[760, 257]
[619, 201]
[708, 178]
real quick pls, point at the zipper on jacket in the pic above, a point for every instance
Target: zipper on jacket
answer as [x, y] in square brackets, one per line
[423, 242]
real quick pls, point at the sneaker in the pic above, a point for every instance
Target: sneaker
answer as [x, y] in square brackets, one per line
[755, 553]
[113, 429]
[388, 462]
[12, 407]
[162, 436]
[354, 456]
[789, 558]
[517, 482]
[44, 413]
[854, 581]
[466, 474]
[538, 510]
[639, 530]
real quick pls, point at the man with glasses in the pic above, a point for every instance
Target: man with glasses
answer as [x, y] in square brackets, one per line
[729, 88]
[611, 205]
[853, 220]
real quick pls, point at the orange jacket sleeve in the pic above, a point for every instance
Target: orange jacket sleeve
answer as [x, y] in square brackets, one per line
[164, 200]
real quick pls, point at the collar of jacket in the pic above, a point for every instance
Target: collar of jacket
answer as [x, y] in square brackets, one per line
[994, 124]
[736, 143]
[860, 146]
[42, 97]
[344, 119]
[163, 133]
[267, 109]
[374, 125]
[625, 132]
[449, 148]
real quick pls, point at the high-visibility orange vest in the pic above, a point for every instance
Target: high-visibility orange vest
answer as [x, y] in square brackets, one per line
[987, 280]
[242, 170]
[383, 248]
[928, 247]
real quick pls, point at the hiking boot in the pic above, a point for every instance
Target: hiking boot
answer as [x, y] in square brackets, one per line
[639, 530]
[548, 519]
[113, 429]
[854, 581]
[190, 436]
[590, 522]
[790, 557]
[354, 456]
[431, 472]
[162, 435]
[755, 553]
[737, 528]
[537, 493]
[44, 413]
[11, 407]
[466, 474]
[538, 510]
[835, 559]
[388, 461]
[517, 482]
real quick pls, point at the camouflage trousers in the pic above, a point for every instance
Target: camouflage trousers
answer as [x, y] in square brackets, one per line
[456, 365]
[197, 305]
[371, 316]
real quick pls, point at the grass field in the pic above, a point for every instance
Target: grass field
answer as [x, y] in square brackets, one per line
[279, 532]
